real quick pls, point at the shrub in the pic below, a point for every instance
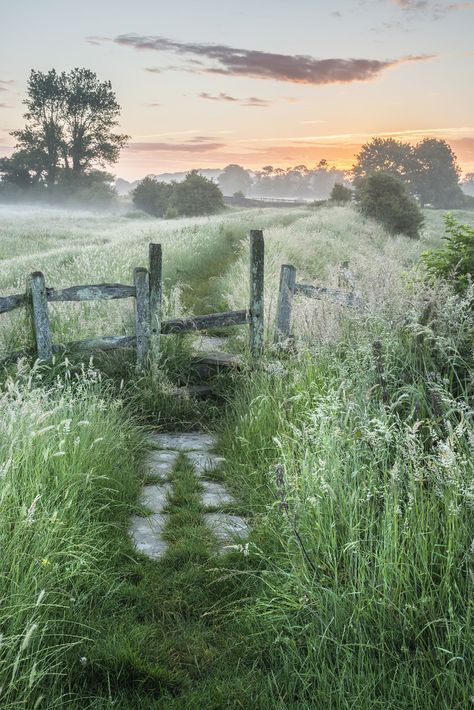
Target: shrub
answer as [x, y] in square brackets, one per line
[152, 196]
[197, 195]
[386, 199]
[454, 261]
[340, 193]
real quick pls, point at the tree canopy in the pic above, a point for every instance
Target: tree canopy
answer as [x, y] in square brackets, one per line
[70, 122]
[428, 169]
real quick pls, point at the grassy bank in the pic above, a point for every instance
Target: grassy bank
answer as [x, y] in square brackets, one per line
[353, 463]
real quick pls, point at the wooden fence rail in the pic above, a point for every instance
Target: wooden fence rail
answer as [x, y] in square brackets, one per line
[290, 288]
[147, 290]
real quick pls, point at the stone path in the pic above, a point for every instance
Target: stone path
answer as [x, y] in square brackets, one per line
[146, 531]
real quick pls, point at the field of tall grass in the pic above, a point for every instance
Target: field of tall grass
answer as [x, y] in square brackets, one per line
[351, 453]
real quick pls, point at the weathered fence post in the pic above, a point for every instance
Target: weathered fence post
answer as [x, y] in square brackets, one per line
[39, 308]
[284, 305]
[256, 292]
[156, 292]
[142, 314]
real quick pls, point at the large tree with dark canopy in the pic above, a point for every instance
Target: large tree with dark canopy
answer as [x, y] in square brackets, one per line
[428, 169]
[70, 122]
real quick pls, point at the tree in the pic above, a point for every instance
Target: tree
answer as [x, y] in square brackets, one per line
[234, 179]
[44, 131]
[24, 169]
[91, 112]
[437, 174]
[340, 193]
[153, 196]
[70, 119]
[386, 155]
[386, 199]
[428, 169]
[196, 195]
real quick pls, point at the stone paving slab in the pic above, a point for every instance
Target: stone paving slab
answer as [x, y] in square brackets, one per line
[146, 534]
[227, 527]
[215, 494]
[204, 461]
[159, 464]
[154, 497]
[192, 441]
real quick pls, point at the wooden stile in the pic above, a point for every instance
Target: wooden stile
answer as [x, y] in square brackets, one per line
[148, 291]
[257, 253]
[284, 306]
[40, 315]
[142, 314]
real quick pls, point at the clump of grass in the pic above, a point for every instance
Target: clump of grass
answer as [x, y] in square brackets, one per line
[68, 475]
[378, 484]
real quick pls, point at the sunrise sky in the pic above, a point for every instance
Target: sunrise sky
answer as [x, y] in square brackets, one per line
[212, 82]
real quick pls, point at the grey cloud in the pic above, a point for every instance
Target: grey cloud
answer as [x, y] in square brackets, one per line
[299, 69]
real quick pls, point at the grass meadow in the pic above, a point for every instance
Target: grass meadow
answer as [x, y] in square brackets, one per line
[351, 452]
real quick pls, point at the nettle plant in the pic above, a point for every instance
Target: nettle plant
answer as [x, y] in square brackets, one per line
[454, 260]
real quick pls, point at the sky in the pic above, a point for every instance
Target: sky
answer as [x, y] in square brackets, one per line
[264, 82]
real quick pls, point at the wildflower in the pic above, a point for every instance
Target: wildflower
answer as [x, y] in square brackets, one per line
[83, 660]
[45, 562]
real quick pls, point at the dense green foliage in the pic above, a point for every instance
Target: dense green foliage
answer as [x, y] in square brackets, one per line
[429, 169]
[194, 196]
[341, 193]
[385, 198]
[152, 196]
[69, 133]
[454, 260]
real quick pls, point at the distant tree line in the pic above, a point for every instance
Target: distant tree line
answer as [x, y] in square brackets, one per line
[294, 182]
[67, 138]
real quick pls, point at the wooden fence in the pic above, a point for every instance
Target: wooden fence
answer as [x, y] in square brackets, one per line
[290, 288]
[147, 290]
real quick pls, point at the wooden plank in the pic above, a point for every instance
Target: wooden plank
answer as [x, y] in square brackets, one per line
[142, 314]
[91, 292]
[285, 298]
[40, 316]
[9, 303]
[340, 298]
[104, 342]
[257, 250]
[155, 268]
[211, 320]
